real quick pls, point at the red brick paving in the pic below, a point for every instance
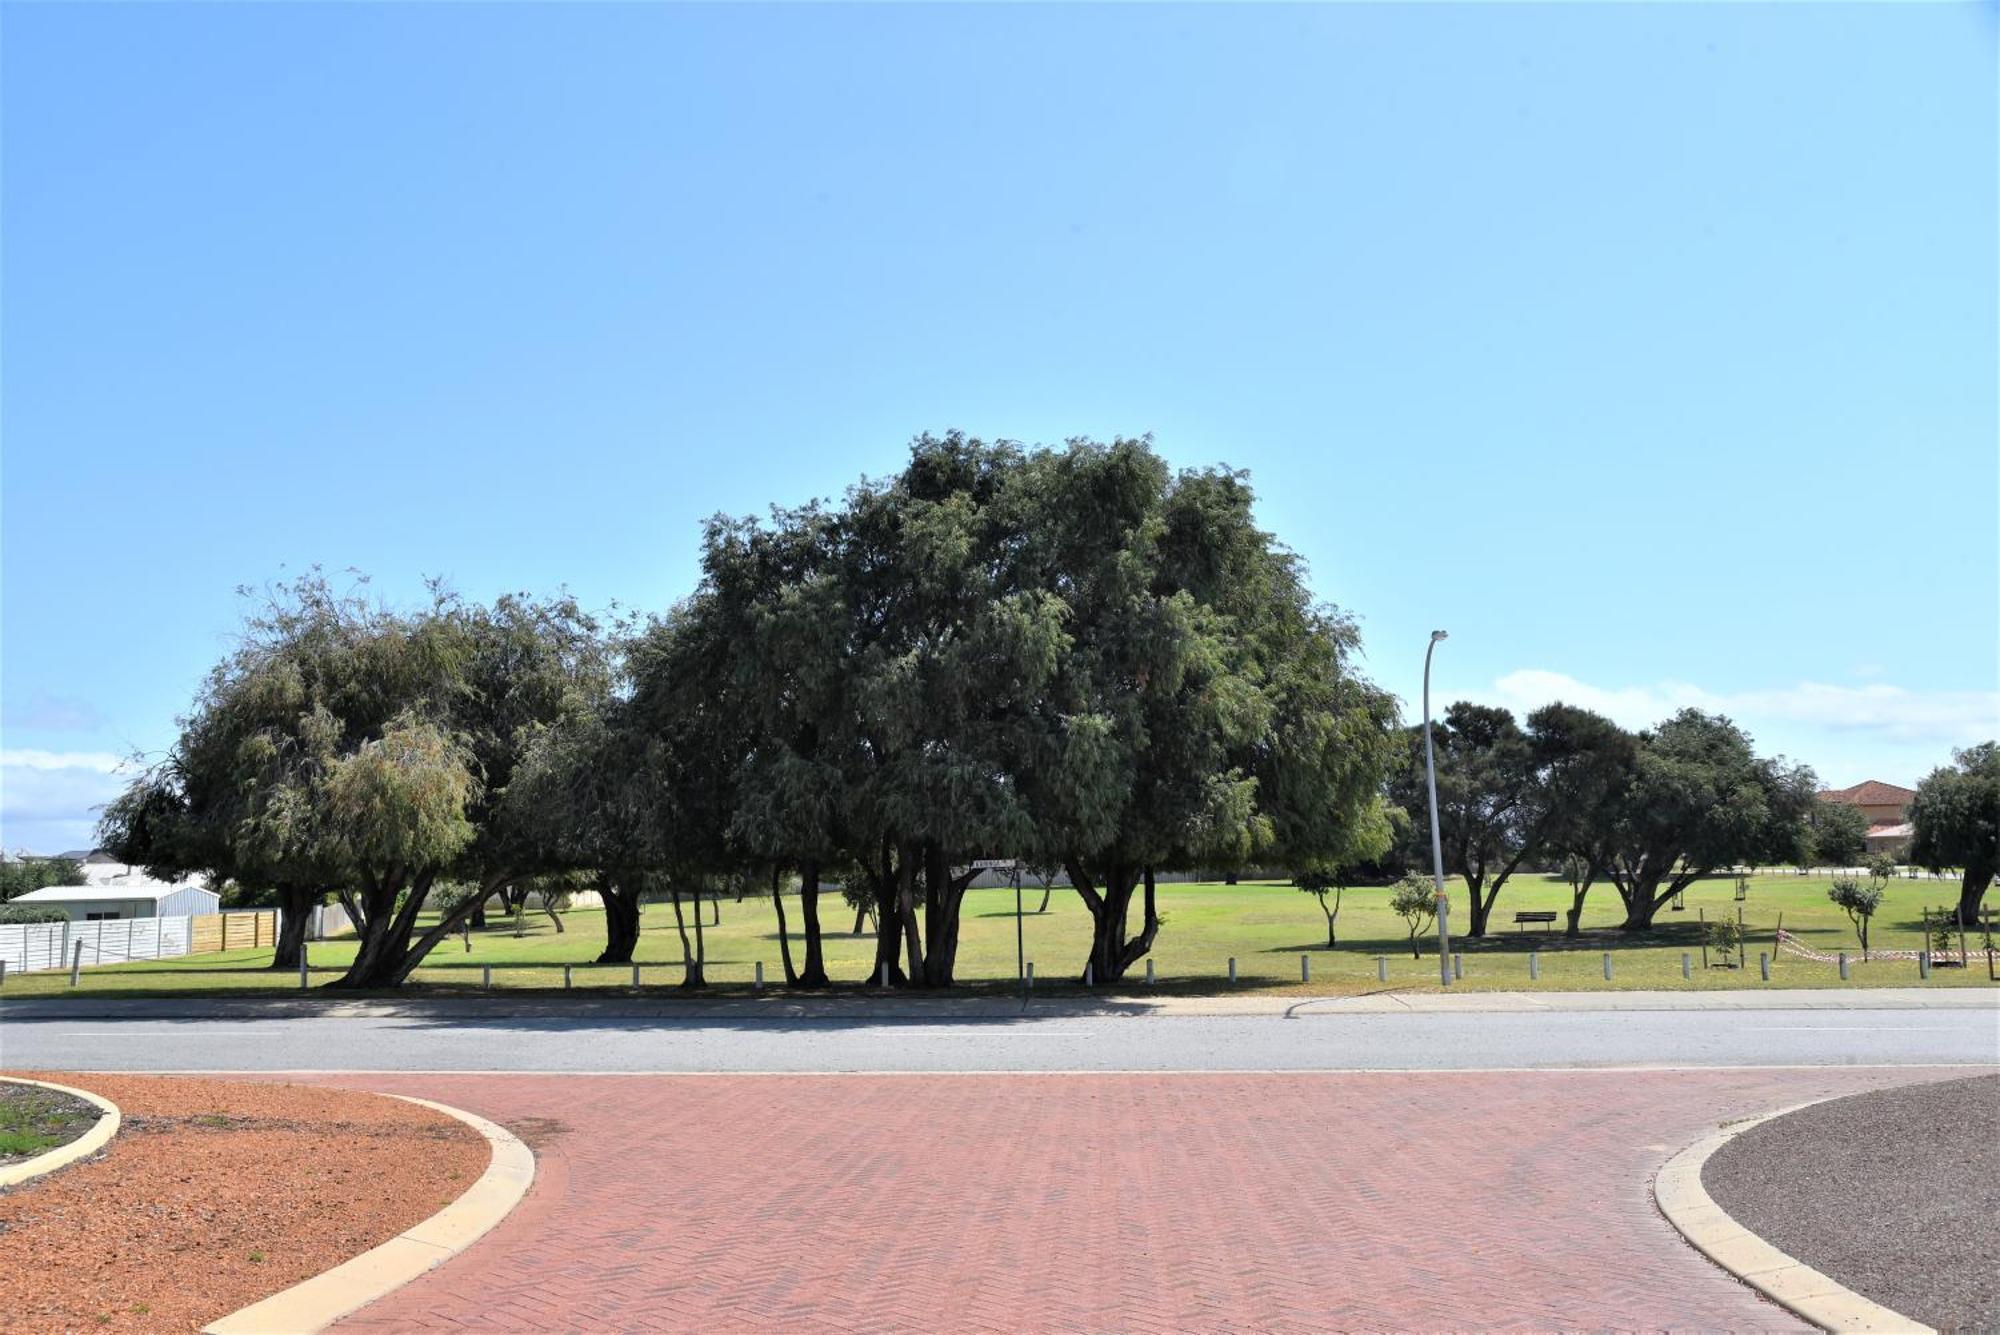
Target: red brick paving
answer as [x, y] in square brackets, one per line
[1283, 1202]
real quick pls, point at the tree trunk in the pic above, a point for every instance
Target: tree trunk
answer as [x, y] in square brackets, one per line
[814, 974]
[549, 907]
[1641, 902]
[387, 953]
[295, 908]
[1478, 908]
[1045, 898]
[1329, 920]
[621, 920]
[944, 897]
[1971, 891]
[478, 920]
[700, 945]
[888, 926]
[1111, 952]
[1573, 925]
[379, 947]
[784, 936]
[906, 910]
[691, 971]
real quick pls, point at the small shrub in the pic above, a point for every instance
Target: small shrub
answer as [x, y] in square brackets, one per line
[1414, 899]
[13, 913]
[1725, 936]
[1858, 900]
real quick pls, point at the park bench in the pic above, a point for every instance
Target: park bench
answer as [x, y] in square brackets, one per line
[1546, 919]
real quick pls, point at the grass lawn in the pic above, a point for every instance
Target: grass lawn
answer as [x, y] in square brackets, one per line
[33, 1119]
[1265, 926]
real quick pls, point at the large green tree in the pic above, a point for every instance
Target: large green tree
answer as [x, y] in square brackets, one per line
[1836, 835]
[1203, 708]
[351, 749]
[1698, 799]
[1489, 818]
[1956, 813]
[1584, 765]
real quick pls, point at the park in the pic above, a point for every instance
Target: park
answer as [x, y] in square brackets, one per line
[996, 669]
[938, 792]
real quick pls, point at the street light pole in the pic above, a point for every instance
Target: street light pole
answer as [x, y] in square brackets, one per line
[1437, 842]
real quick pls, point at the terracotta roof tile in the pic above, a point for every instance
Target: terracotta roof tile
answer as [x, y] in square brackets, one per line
[1871, 793]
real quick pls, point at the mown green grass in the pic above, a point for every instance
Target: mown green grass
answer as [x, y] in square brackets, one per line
[1265, 926]
[33, 1119]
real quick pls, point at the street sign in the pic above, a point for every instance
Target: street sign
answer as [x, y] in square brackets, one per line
[995, 864]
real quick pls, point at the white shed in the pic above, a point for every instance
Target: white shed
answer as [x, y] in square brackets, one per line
[153, 899]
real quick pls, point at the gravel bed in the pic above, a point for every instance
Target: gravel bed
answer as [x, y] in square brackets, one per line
[1894, 1193]
[216, 1193]
[34, 1120]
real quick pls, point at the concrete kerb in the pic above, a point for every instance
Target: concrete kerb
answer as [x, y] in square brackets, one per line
[1789, 1282]
[317, 1303]
[85, 1145]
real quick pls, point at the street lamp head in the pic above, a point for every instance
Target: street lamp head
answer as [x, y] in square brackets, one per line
[1437, 635]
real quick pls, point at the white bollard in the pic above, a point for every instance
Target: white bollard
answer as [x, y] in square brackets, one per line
[1381, 968]
[76, 965]
[1687, 965]
[1843, 966]
[1607, 966]
[3, 973]
[885, 975]
[1764, 964]
[635, 973]
[1534, 966]
[1149, 973]
[1030, 980]
[302, 964]
[1923, 964]
[486, 977]
[1232, 968]
[757, 983]
[1089, 968]
[1305, 968]
[1457, 965]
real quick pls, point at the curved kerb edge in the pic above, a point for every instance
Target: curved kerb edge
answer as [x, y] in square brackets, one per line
[90, 1142]
[317, 1303]
[1783, 1279]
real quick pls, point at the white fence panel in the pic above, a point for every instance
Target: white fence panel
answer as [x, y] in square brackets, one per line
[51, 945]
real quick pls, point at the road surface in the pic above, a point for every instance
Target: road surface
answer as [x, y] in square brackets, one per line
[474, 1035]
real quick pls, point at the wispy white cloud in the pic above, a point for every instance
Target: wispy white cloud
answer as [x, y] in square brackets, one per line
[1951, 718]
[101, 762]
[49, 799]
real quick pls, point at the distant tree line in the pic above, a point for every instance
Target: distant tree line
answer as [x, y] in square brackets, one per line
[18, 876]
[1649, 813]
[1076, 657]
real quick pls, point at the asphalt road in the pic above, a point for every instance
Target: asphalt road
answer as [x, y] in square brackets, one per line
[471, 1037]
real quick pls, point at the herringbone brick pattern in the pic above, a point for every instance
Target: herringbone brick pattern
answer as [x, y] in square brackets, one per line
[1434, 1202]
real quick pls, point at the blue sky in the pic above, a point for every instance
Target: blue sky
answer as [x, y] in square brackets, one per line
[1651, 349]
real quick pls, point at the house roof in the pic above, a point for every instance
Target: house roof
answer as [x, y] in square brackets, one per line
[1871, 793]
[79, 894]
[1903, 831]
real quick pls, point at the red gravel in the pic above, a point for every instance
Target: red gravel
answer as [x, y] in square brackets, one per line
[216, 1193]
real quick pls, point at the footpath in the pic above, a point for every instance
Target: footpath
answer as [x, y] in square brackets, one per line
[947, 1007]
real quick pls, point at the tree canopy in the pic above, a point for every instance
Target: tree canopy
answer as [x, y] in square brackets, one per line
[1698, 798]
[1956, 815]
